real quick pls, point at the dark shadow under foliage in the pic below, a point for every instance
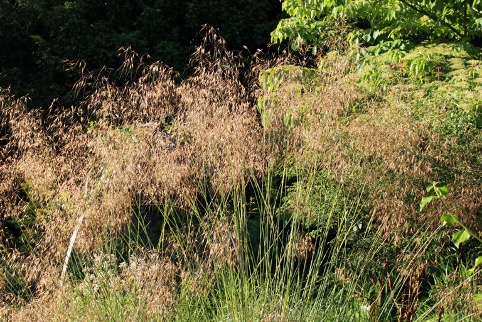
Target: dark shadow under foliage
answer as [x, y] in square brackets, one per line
[39, 37]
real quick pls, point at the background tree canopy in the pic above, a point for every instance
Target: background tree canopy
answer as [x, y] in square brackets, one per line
[384, 23]
[38, 36]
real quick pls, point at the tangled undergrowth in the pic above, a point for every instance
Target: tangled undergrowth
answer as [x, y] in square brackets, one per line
[179, 189]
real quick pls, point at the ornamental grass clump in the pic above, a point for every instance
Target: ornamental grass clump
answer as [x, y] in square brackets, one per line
[156, 136]
[296, 198]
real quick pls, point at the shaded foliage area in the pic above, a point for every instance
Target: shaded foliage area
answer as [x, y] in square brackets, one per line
[39, 37]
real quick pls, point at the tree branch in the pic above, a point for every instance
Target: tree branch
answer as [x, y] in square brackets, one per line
[431, 16]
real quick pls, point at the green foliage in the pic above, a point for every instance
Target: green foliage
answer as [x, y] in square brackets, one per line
[460, 236]
[385, 24]
[452, 63]
[320, 203]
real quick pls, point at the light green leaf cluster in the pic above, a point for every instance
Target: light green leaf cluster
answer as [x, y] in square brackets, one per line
[424, 64]
[374, 22]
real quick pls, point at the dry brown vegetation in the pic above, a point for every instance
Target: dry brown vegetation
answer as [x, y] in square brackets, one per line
[158, 140]
[154, 139]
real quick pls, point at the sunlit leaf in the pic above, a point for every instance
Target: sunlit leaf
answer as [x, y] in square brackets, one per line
[375, 34]
[478, 261]
[425, 201]
[429, 188]
[460, 237]
[449, 219]
[443, 190]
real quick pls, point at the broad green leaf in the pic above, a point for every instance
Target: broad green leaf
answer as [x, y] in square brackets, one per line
[449, 219]
[478, 261]
[425, 201]
[460, 237]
